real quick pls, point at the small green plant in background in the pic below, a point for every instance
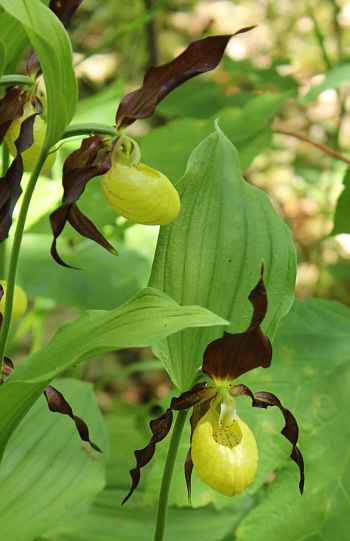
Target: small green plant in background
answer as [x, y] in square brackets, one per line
[220, 291]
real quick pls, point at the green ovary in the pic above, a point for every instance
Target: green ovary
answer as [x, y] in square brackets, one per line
[225, 459]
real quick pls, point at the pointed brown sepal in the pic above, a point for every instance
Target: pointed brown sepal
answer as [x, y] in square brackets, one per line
[7, 366]
[78, 169]
[160, 428]
[188, 473]
[235, 354]
[57, 403]
[290, 430]
[190, 398]
[11, 108]
[199, 57]
[10, 191]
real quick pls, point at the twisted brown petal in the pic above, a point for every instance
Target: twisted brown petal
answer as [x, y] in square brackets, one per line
[57, 403]
[199, 57]
[78, 169]
[160, 428]
[290, 430]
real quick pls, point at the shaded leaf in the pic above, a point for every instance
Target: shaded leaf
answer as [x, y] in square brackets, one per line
[48, 477]
[199, 57]
[235, 354]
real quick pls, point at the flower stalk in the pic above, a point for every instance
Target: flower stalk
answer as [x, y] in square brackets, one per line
[167, 475]
[16, 246]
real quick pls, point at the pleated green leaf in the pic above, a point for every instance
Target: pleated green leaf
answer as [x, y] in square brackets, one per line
[50, 40]
[211, 254]
[2, 57]
[148, 317]
[48, 475]
[108, 521]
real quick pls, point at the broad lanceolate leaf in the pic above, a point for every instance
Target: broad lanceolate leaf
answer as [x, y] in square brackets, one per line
[199, 57]
[342, 214]
[48, 476]
[145, 319]
[52, 45]
[211, 254]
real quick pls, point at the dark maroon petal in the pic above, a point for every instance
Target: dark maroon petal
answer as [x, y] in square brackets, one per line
[11, 107]
[290, 430]
[195, 395]
[1, 296]
[199, 57]
[10, 192]
[64, 9]
[235, 354]
[57, 403]
[86, 228]
[78, 169]
[160, 428]
[188, 473]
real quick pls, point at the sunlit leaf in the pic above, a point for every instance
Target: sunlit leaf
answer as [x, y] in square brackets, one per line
[212, 254]
[148, 317]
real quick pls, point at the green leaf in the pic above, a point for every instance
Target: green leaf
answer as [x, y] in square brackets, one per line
[101, 286]
[247, 127]
[2, 57]
[310, 373]
[342, 211]
[16, 40]
[48, 477]
[211, 254]
[333, 79]
[50, 40]
[109, 521]
[148, 317]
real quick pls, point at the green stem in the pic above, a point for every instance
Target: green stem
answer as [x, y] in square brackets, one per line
[17, 240]
[89, 129]
[13, 80]
[167, 475]
[5, 166]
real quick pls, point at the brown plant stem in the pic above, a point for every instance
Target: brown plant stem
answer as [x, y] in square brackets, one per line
[322, 147]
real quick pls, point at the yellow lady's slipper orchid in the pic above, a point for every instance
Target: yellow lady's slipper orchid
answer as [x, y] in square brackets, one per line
[226, 459]
[136, 191]
[19, 301]
[223, 449]
[30, 155]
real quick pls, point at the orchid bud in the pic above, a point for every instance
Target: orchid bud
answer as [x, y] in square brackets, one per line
[19, 301]
[226, 459]
[30, 155]
[138, 192]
